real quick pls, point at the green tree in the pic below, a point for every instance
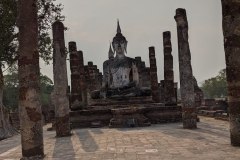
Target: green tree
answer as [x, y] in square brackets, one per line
[10, 91]
[46, 88]
[215, 87]
[48, 12]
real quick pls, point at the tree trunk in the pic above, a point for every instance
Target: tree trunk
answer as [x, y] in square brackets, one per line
[29, 85]
[231, 26]
[6, 129]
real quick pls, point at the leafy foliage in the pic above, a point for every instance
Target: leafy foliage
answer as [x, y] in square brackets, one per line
[48, 12]
[46, 85]
[10, 96]
[8, 35]
[215, 87]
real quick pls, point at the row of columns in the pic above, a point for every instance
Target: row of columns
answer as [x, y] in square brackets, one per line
[78, 98]
[189, 115]
[29, 72]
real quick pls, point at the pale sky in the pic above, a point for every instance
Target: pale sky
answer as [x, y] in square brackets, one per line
[93, 23]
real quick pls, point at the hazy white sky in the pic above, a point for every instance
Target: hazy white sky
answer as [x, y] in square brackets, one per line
[92, 24]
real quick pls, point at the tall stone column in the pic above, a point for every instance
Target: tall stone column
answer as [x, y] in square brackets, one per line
[83, 85]
[30, 112]
[189, 115]
[76, 96]
[169, 95]
[231, 25]
[60, 81]
[153, 75]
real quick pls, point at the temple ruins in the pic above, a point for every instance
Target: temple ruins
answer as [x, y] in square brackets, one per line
[127, 93]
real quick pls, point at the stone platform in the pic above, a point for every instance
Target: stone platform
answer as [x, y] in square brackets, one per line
[125, 115]
[170, 141]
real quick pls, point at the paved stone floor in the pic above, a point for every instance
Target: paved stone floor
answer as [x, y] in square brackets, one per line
[158, 142]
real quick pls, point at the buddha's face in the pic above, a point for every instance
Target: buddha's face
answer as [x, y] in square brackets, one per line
[120, 46]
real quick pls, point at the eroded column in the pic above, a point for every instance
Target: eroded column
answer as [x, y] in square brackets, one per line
[153, 75]
[76, 96]
[231, 25]
[30, 112]
[169, 93]
[60, 81]
[189, 115]
[83, 85]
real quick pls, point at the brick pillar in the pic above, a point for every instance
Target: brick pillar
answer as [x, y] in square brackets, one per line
[231, 25]
[90, 76]
[60, 81]
[82, 79]
[153, 75]
[169, 95]
[186, 77]
[30, 112]
[76, 96]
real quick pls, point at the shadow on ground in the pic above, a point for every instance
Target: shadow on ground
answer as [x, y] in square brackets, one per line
[63, 148]
[87, 141]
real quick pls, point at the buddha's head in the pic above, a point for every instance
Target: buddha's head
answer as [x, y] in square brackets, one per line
[119, 43]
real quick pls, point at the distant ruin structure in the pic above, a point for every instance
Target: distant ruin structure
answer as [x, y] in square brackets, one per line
[127, 93]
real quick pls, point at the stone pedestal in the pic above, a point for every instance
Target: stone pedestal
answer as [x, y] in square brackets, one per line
[128, 117]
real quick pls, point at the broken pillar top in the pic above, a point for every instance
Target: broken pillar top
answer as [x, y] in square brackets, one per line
[181, 12]
[90, 63]
[151, 51]
[181, 17]
[72, 46]
[143, 64]
[138, 58]
[80, 53]
[58, 25]
[166, 34]
[58, 31]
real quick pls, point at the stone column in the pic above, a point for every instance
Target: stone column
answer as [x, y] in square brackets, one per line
[83, 85]
[76, 96]
[153, 75]
[189, 115]
[91, 76]
[231, 25]
[169, 95]
[60, 81]
[30, 112]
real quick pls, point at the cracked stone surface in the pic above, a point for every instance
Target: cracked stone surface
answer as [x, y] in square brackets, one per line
[163, 141]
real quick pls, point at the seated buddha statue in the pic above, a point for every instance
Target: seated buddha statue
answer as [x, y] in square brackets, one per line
[120, 73]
